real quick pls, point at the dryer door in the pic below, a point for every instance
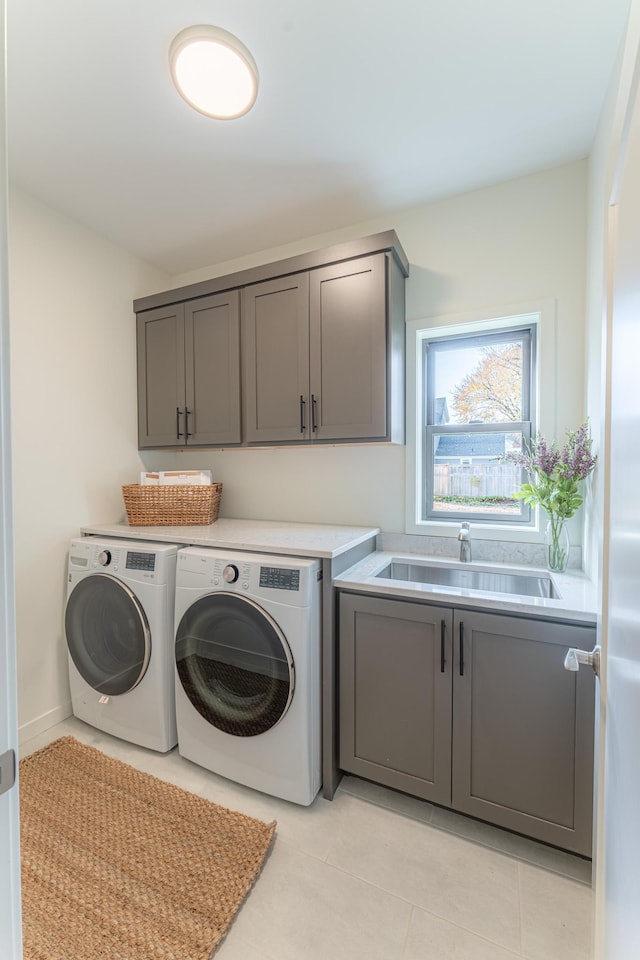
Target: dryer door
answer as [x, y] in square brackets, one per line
[108, 634]
[234, 664]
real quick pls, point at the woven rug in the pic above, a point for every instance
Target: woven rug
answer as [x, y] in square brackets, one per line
[118, 865]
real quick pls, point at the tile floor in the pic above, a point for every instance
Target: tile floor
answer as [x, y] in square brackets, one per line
[376, 875]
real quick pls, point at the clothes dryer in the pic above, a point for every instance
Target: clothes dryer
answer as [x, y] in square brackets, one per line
[119, 631]
[247, 658]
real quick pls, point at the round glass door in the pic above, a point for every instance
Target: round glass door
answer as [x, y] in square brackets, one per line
[234, 664]
[107, 634]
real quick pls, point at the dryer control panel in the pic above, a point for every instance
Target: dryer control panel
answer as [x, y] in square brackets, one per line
[140, 561]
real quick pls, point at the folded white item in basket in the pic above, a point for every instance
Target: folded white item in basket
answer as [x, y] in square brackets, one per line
[191, 478]
[149, 479]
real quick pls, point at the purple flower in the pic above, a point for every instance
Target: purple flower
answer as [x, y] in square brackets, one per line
[554, 474]
[578, 461]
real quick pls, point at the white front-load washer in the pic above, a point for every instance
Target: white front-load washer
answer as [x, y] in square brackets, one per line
[248, 668]
[119, 630]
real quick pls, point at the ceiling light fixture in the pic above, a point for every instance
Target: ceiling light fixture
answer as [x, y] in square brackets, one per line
[214, 72]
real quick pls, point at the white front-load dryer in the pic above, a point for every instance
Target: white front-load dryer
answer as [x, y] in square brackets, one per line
[248, 668]
[119, 631]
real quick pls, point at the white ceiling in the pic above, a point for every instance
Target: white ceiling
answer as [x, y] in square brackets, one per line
[366, 107]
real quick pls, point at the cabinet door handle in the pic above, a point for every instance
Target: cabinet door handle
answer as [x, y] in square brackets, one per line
[178, 432]
[186, 421]
[461, 649]
[303, 425]
[443, 632]
[314, 413]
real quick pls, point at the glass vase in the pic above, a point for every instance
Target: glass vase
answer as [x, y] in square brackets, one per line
[556, 545]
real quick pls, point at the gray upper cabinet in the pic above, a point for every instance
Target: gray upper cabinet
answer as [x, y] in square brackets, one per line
[395, 694]
[189, 373]
[523, 727]
[161, 375]
[315, 345]
[348, 350]
[322, 345]
[276, 359]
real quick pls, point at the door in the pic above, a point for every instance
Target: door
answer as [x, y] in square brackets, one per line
[212, 357]
[276, 360]
[161, 377]
[395, 694]
[523, 727]
[618, 836]
[348, 350]
[234, 664]
[10, 912]
[108, 634]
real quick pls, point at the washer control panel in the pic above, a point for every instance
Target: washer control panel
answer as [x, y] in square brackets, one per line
[279, 578]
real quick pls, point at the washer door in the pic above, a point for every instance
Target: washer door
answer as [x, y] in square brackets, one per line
[234, 664]
[108, 634]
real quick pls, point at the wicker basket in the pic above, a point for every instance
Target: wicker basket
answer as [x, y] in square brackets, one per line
[171, 505]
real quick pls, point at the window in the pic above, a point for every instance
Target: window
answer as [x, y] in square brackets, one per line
[476, 405]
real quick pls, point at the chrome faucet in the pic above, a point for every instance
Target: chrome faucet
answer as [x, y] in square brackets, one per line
[465, 543]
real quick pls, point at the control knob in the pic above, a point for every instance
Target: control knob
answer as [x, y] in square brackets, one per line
[230, 573]
[104, 558]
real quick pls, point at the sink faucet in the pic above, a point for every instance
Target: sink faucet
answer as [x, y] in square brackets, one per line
[465, 543]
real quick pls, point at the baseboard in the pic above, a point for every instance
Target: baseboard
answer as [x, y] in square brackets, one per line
[46, 720]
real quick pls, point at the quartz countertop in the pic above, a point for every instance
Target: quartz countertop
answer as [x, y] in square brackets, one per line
[321, 540]
[578, 601]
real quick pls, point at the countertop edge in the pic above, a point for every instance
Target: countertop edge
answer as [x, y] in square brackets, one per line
[259, 536]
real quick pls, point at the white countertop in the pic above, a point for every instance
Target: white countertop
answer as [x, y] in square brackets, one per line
[578, 596]
[262, 536]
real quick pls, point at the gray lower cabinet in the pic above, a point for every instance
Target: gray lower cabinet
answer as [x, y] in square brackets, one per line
[395, 694]
[523, 727]
[323, 353]
[470, 710]
[189, 373]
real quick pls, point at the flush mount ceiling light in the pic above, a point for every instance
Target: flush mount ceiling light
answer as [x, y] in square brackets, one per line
[214, 72]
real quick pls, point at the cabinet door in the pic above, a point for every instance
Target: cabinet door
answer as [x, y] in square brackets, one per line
[523, 727]
[212, 364]
[160, 342]
[276, 359]
[395, 694]
[348, 316]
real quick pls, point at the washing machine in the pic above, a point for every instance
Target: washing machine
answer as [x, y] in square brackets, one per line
[119, 631]
[247, 658]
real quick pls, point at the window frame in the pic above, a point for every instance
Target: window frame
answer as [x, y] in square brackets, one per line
[543, 314]
[524, 333]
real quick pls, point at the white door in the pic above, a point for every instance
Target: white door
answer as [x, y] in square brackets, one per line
[618, 841]
[10, 926]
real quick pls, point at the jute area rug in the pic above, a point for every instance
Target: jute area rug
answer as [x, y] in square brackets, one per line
[118, 865]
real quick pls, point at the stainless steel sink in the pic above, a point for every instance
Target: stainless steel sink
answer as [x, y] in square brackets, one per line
[520, 584]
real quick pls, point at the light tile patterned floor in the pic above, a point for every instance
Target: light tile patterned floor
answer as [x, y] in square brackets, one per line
[378, 875]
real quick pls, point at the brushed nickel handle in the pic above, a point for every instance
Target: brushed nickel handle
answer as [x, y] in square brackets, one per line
[576, 657]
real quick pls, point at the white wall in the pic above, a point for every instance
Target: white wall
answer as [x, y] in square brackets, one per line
[74, 423]
[520, 241]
